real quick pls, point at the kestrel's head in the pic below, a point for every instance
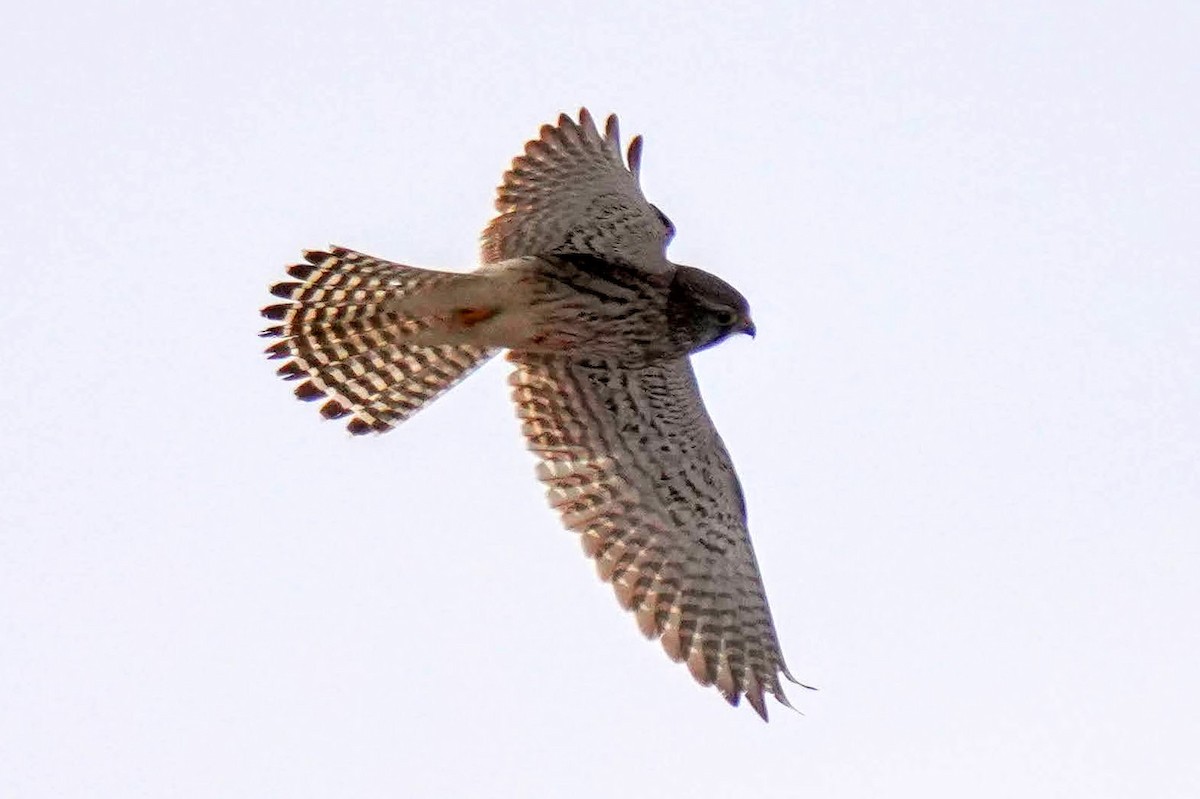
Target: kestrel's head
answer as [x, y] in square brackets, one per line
[705, 309]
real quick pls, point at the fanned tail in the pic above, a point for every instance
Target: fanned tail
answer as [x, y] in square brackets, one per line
[345, 337]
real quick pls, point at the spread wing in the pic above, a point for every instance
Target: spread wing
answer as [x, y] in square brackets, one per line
[571, 192]
[634, 465]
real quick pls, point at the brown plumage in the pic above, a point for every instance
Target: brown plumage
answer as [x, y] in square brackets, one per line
[599, 325]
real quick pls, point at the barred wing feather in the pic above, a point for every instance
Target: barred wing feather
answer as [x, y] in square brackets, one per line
[633, 464]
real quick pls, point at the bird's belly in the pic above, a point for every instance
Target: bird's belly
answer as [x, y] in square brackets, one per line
[612, 334]
[557, 308]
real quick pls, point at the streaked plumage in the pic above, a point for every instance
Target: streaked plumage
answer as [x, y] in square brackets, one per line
[599, 326]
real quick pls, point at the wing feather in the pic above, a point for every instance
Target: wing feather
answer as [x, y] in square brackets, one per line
[571, 192]
[633, 463]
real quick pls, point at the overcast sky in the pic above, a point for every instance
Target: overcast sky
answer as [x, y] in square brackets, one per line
[968, 428]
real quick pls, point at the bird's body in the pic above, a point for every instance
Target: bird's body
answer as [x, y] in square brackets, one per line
[599, 325]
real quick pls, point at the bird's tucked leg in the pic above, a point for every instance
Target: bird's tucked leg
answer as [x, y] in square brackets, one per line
[466, 318]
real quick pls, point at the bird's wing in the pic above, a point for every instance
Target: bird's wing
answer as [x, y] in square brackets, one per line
[571, 192]
[634, 465]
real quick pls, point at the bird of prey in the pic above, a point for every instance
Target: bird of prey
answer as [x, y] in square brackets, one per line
[600, 326]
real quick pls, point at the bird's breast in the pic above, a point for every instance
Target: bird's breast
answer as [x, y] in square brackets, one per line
[589, 308]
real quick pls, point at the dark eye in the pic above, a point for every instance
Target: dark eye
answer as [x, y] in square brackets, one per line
[726, 318]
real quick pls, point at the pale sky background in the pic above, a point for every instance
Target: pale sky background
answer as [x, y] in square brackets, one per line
[968, 428]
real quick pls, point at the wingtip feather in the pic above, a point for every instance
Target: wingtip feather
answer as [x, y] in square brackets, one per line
[635, 156]
[698, 665]
[758, 702]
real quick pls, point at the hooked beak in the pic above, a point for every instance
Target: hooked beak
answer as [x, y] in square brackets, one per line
[748, 327]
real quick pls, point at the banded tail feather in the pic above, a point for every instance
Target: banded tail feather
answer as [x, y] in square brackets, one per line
[347, 332]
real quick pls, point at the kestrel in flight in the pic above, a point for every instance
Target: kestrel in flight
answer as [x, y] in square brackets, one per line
[600, 326]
